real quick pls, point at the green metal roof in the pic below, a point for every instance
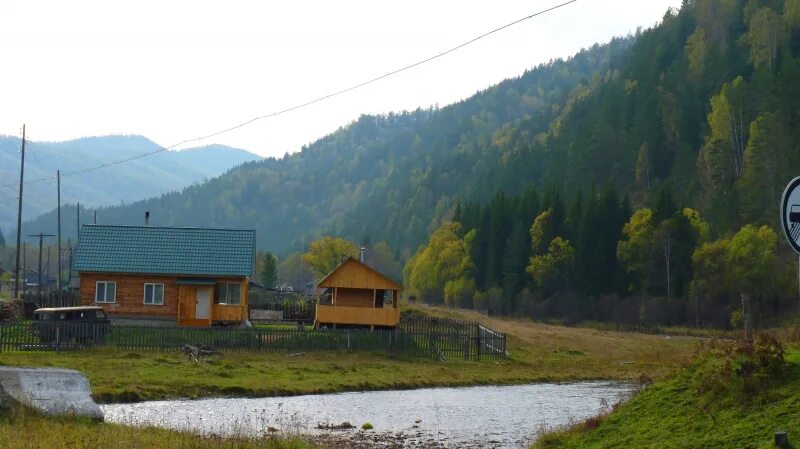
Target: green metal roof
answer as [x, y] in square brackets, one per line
[164, 250]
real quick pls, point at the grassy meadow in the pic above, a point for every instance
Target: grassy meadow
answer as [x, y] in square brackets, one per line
[538, 352]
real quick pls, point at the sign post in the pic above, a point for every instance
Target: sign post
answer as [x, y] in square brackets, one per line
[790, 218]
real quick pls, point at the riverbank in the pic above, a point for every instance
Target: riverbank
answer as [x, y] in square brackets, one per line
[25, 429]
[537, 353]
[731, 396]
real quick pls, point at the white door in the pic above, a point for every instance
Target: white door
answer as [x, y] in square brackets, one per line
[202, 303]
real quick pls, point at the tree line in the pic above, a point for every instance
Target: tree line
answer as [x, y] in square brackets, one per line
[594, 258]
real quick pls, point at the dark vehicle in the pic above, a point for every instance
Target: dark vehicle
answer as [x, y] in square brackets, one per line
[70, 324]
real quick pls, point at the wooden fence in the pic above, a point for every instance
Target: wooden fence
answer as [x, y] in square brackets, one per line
[53, 299]
[450, 339]
[292, 307]
[57, 336]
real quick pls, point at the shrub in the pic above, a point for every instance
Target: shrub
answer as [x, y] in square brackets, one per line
[740, 371]
[366, 426]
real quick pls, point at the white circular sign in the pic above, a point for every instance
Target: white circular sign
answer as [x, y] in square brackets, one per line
[790, 213]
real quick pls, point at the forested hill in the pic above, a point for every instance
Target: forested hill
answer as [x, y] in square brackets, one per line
[387, 177]
[124, 183]
[705, 104]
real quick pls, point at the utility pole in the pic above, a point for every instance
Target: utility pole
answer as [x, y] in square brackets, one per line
[19, 213]
[78, 229]
[41, 238]
[58, 190]
[47, 272]
[24, 265]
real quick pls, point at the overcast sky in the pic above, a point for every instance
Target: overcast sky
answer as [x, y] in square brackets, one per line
[176, 69]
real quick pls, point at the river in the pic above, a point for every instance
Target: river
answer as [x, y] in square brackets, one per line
[484, 416]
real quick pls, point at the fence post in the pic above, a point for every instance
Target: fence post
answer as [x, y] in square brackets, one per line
[161, 339]
[478, 342]
[58, 337]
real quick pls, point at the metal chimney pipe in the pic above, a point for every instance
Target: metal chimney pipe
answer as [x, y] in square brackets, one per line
[147, 218]
[363, 252]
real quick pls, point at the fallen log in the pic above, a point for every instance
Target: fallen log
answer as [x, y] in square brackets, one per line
[195, 352]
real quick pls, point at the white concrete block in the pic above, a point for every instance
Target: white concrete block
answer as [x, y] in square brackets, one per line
[51, 390]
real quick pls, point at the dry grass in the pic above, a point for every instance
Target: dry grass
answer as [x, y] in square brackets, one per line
[585, 352]
[25, 429]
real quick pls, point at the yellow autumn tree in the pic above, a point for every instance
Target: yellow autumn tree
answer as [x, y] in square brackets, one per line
[443, 262]
[325, 254]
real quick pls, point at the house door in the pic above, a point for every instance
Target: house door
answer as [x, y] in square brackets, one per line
[202, 303]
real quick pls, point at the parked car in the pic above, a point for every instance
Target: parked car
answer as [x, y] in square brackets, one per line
[70, 324]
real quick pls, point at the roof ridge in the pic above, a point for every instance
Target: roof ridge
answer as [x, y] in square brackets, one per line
[166, 227]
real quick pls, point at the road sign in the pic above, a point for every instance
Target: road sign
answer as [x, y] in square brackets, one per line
[790, 213]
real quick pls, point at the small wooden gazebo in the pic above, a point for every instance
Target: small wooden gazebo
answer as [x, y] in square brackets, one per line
[356, 294]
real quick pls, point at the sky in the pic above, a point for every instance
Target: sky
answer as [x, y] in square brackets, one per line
[179, 69]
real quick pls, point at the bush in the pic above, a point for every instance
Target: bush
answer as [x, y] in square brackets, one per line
[366, 426]
[740, 371]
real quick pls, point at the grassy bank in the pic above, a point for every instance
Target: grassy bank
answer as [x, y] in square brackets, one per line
[538, 352]
[730, 396]
[26, 429]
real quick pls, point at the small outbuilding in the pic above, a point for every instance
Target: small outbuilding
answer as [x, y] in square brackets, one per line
[192, 276]
[356, 294]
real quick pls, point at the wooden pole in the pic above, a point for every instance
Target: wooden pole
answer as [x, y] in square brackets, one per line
[41, 238]
[19, 213]
[48, 268]
[58, 194]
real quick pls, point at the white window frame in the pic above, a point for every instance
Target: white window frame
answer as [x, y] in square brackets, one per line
[223, 292]
[154, 285]
[105, 292]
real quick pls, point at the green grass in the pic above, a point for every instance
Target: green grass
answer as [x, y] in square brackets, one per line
[21, 428]
[538, 352]
[710, 404]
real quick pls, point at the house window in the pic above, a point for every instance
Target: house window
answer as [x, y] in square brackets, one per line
[106, 291]
[228, 293]
[154, 294]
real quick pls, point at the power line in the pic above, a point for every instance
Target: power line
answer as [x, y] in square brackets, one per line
[310, 102]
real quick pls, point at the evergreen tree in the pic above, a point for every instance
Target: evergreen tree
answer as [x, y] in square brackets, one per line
[515, 259]
[269, 273]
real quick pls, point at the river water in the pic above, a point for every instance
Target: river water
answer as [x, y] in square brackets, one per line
[485, 416]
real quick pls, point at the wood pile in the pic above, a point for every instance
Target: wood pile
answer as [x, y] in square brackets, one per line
[11, 310]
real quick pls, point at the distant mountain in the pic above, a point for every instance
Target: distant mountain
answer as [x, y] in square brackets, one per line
[703, 106]
[389, 177]
[123, 184]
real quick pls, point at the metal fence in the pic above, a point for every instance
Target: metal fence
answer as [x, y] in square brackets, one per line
[57, 336]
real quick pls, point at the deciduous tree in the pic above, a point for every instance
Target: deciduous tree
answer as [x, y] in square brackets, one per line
[327, 253]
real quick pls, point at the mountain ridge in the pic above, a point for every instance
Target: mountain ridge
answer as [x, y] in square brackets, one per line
[132, 181]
